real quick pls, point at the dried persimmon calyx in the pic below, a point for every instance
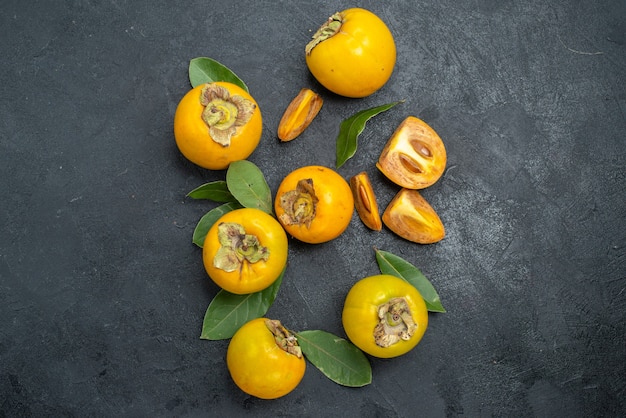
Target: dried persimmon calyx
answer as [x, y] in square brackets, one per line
[396, 323]
[415, 156]
[284, 338]
[224, 113]
[299, 204]
[237, 247]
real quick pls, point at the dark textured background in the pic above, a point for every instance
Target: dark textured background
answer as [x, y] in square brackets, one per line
[102, 293]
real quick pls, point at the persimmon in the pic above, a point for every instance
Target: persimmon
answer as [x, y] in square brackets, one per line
[314, 204]
[217, 123]
[352, 54]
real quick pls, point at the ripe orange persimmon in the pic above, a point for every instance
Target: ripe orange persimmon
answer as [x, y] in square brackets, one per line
[216, 124]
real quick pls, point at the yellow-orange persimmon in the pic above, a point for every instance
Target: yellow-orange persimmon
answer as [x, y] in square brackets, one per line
[385, 316]
[245, 251]
[216, 124]
[352, 54]
[314, 204]
[264, 359]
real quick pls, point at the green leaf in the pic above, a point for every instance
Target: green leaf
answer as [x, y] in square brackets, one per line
[351, 128]
[207, 70]
[216, 191]
[397, 266]
[247, 184]
[337, 358]
[207, 221]
[227, 312]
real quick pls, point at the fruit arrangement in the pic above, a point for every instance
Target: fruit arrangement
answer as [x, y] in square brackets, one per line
[244, 240]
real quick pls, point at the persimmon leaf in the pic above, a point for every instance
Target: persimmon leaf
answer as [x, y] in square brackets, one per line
[337, 358]
[216, 191]
[227, 312]
[396, 266]
[247, 184]
[207, 70]
[207, 221]
[351, 128]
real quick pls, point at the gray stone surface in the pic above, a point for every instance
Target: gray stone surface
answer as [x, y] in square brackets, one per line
[102, 293]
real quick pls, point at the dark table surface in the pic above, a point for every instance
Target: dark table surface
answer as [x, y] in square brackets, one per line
[102, 293]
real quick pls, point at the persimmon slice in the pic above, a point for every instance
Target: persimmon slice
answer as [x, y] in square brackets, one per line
[365, 201]
[415, 156]
[411, 217]
[299, 114]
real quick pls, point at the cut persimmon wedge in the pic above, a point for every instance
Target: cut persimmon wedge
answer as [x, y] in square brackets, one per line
[365, 201]
[411, 217]
[415, 156]
[299, 114]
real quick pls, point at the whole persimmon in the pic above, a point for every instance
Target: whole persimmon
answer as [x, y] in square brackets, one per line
[352, 54]
[217, 123]
[314, 204]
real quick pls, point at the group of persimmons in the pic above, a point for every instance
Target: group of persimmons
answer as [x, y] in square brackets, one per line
[219, 123]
